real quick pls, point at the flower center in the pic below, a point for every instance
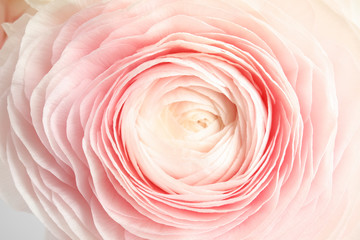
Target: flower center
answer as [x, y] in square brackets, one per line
[197, 120]
[184, 120]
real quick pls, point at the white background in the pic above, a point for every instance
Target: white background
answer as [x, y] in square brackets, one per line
[15, 225]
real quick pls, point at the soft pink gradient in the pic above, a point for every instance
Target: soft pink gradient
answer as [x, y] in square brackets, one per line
[183, 120]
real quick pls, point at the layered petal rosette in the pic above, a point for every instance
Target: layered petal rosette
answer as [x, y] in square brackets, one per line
[171, 119]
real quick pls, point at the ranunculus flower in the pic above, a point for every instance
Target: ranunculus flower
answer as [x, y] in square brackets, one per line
[183, 119]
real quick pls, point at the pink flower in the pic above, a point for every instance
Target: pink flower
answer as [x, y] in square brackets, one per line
[179, 119]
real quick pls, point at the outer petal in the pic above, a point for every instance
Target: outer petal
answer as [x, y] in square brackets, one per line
[348, 9]
[8, 56]
[338, 32]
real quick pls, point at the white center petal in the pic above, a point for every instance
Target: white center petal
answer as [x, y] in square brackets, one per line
[183, 119]
[196, 120]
